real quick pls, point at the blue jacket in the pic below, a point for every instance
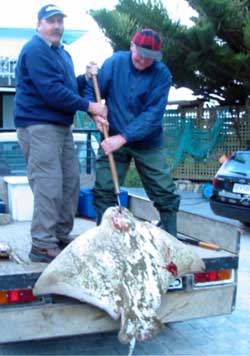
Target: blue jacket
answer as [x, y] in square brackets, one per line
[47, 90]
[136, 100]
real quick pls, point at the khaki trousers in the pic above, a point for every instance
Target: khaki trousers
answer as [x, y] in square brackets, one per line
[53, 174]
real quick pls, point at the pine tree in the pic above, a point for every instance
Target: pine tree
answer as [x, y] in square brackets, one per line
[212, 57]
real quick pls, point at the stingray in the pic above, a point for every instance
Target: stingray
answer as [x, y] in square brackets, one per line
[123, 266]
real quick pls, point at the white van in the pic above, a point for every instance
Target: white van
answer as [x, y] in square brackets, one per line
[12, 161]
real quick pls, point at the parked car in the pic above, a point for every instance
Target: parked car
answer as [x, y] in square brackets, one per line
[12, 161]
[231, 188]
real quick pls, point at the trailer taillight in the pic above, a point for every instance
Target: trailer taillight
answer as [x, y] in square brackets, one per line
[213, 276]
[17, 296]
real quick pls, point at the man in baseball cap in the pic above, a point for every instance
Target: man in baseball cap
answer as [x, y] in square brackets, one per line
[49, 10]
[48, 94]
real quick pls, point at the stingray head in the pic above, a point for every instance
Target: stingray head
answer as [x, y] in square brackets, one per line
[119, 218]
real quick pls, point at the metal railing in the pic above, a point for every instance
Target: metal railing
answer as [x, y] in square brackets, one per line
[7, 70]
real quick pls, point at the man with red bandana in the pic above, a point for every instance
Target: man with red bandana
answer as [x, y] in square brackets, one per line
[135, 85]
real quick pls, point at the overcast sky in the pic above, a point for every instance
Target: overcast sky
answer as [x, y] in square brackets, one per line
[22, 13]
[93, 46]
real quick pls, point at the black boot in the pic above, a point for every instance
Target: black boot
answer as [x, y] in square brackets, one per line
[168, 222]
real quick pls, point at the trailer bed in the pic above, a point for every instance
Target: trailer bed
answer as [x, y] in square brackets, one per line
[53, 315]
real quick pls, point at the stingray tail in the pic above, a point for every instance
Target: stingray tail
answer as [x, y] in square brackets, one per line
[132, 346]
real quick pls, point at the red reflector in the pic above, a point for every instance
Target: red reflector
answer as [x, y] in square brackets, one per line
[27, 296]
[214, 182]
[20, 296]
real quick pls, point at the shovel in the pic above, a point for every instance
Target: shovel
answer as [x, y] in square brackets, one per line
[110, 155]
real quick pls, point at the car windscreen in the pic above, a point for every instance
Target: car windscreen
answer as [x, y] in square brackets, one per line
[11, 159]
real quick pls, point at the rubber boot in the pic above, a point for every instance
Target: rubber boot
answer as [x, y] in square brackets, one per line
[168, 222]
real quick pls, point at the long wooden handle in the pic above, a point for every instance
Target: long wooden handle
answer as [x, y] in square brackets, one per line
[105, 133]
[209, 245]
[203, 244]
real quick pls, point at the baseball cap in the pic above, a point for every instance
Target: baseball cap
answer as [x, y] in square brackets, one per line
[49, 10]
[148, 43]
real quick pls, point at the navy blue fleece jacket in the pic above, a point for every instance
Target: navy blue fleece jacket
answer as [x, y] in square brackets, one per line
[47, 90]
[136, 100]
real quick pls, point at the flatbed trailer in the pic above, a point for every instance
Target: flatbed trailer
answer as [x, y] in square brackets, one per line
[192, 296]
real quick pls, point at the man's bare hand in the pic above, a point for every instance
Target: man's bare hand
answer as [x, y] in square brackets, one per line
[98, 109]
[113, 143]
[101, 123]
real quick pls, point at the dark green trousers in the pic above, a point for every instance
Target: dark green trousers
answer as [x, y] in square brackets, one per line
[155, 176]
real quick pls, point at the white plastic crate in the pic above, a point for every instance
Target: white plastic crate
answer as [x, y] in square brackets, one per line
[20, 198]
